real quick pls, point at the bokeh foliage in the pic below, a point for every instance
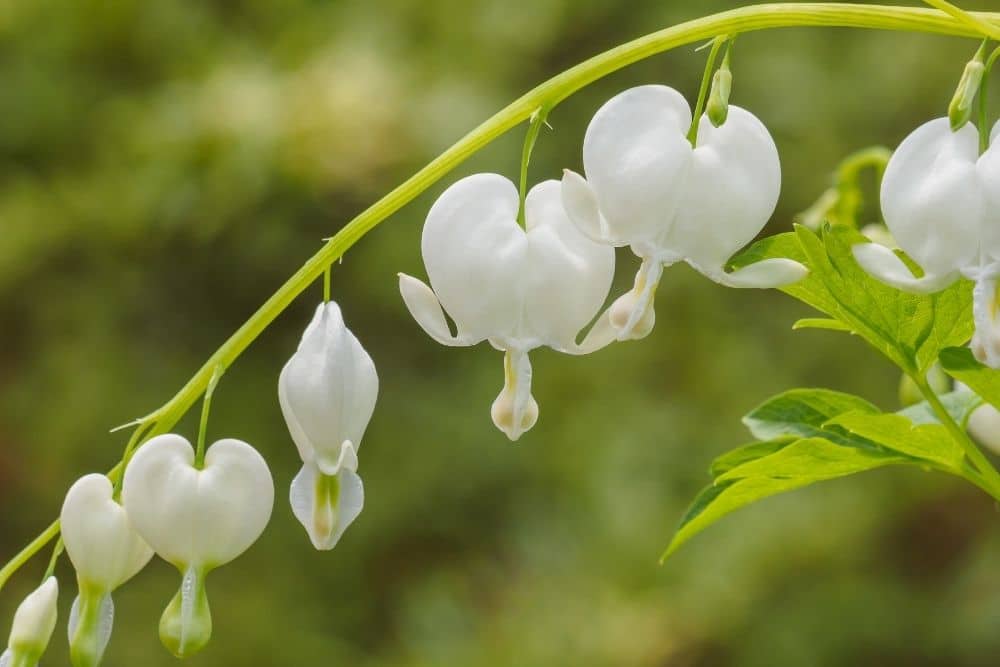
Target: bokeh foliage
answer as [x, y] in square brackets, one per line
[165, 165]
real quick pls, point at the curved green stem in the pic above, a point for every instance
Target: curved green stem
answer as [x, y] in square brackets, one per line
[534, 127]
[547, 95]
[988, 475]
[706, 78]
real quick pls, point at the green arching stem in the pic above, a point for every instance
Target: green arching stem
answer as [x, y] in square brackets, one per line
[535, 126]
[989, 475]
[968, 18]
[706, 79]
[326, 284]
[56, 552]
[547, 95]
[206, 407]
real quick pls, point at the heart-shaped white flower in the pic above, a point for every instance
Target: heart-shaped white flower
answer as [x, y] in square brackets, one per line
[196, 519]
[106, 551]
[648, 188]
[518, 288]
[34, 621]
[941, 202]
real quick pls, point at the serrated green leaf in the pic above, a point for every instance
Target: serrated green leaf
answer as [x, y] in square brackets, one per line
[817, 459]
[751, 452]
[911, 330]
[959, 363]
[929, 442]
[821, 323]
[803, 413]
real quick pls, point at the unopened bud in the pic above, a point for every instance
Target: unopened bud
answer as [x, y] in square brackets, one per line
[718, 100]
[960, 109]
[34, 621]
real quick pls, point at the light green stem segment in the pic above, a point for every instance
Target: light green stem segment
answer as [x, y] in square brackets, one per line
[547, 95]
[988, 478]
[186, 624]
[535, 126]
[94, 617]
[706, 79]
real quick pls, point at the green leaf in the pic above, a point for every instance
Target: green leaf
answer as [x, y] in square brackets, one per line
[961, 365]
[960, 404]
[911, 330]
[803, 413]
[929, 442]
[751, 452]
[814, 459]
[821, 323]
[794, 466]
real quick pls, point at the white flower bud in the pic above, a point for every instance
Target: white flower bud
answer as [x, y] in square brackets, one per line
[106, 552]
[34, 621]
[648, 188]
[196, 519]
[518, 288]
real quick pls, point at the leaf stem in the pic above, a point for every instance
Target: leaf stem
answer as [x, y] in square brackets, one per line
[206, 407]
[547, 95]
[989, 474]
[535, 126]
[706, 79]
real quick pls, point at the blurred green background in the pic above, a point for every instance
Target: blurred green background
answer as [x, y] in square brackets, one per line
[164, 166]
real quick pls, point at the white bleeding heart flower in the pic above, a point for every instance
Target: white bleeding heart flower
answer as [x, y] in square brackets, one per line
[34, 621]
[106, 551]
[327, 392]
[941, 202]
[647, 187]
[519, 288]
[197, 518]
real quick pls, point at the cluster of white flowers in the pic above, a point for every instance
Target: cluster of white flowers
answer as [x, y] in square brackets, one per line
[647, 186]
[201, 512]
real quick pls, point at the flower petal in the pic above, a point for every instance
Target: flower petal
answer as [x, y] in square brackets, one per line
[766, 274]
[515, 410]
[193, 517]
[102, 544]
[425, 308]
[932, 199]
[91, 620]
[731, 192]
[34, 621]
[883, 264]
[328, 389]
[475, 251]
[568, 277]
[636, 157]
[580, 202]
[988, 168]
[326, 505]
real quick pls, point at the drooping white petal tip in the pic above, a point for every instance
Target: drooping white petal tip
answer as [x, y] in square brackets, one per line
[883, 264]
[326, 505]
[515, 410]
[766, 274]
[425, 308]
